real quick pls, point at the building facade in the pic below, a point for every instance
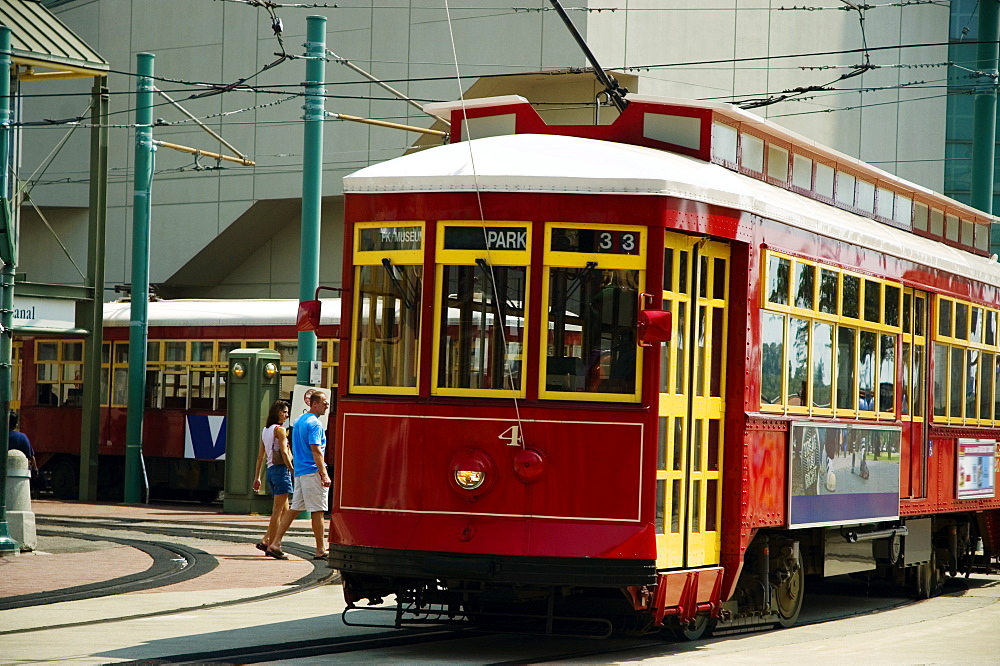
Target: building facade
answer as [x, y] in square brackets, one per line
[223, 230]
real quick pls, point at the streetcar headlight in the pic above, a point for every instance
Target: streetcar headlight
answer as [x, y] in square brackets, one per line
[473, 473]
[239, 370]
[270, 370]
[469, 479]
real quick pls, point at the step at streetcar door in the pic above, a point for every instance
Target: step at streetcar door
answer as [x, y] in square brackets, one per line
[691, 403]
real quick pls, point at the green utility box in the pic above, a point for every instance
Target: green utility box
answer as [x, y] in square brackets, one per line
[254, 383]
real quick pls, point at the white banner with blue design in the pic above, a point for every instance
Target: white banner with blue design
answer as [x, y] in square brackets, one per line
[205, 437]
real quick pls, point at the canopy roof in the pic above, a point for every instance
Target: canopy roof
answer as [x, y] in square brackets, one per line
[47, 48]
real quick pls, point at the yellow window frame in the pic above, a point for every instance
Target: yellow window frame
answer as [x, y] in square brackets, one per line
[559, 259]
[445, 257]
[409, 257]
[966, 345]
[838, 319]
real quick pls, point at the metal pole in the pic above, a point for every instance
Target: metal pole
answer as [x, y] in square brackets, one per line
[90, 427]
[8, 253]
[312, 183]
[985, 111]
[138, 326]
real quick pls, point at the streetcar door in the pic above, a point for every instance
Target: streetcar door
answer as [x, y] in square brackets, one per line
[691, 402]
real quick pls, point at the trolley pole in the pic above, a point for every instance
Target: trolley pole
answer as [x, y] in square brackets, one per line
[8, 254]
[984, 121]
[138, 324]
[312, 184]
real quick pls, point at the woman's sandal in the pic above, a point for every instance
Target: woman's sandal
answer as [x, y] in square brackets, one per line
[322, 556]
[276, 553]
[260, 545]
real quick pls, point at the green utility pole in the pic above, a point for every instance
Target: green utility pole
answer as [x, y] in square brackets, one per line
[312, 183]
[138, 325]
[984, 122]
[8, 254]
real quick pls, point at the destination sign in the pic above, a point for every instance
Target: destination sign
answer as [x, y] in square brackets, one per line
[486, 238]
[595, 241]
[389, 238]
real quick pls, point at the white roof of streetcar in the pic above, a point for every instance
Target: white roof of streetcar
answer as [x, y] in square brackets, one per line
[220, 312]
[544, 163]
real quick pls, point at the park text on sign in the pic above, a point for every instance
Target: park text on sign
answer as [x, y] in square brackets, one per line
[486, 238]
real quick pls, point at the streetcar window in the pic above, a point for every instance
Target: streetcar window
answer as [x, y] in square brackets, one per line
[661, 491]
[991, 327]
[719, 279]
[805, 278]
[751, 152]
[681, 364]
[944, 317]
[802, 172]
[956, 375]
[951, 230]
[968, 232]
[798, 362]
[481, 340]
[887, 374]
[891, 306]
[937, 222]
[996, 389]
[919, 308]
[772, 341]
[724, 140]
[668, 269]
[986, 386]
[907, 312]
[777, 279]
[591, 343]
[661, 449]
[920, 215]
[866, 196]
[971, 382]
[961, 321]
[777, 163]
[873, 301]
[976, 325]
[822, 365]
[941, 356]
[866, 370]
[904, 210]
[851, 297]
[387, 325]
[824, 180]
[884, 203]
[828, 291]
[846, 372]
[919, 380]
[845, 188]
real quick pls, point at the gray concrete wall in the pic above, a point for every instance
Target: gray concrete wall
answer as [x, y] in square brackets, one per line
[411, 45]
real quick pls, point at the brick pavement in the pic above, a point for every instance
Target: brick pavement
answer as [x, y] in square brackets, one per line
[63, 561]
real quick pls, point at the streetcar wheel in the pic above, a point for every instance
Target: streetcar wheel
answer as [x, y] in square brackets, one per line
[788, 596]
[929, 579]
[693, 630]
[66, 480]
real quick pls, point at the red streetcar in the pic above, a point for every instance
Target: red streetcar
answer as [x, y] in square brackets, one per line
[184, 423]
[814, 387]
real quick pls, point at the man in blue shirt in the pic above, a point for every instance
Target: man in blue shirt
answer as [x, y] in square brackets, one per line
[312, 482]
[19, 441]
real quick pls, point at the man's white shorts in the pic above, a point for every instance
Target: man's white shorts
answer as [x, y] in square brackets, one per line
[309, 494]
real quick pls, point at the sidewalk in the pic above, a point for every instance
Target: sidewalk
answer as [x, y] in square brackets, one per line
[65, 561]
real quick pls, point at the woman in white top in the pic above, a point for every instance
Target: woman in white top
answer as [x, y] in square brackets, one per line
[274, 451]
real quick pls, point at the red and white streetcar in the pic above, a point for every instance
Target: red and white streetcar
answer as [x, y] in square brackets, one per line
[655, 372]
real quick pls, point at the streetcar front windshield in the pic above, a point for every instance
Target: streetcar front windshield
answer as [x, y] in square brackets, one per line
[591, 330]
[482, 326]
[387, 329]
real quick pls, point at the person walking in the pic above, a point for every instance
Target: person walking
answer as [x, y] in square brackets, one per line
[312, 482]
[274, 452]
[19, 441]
